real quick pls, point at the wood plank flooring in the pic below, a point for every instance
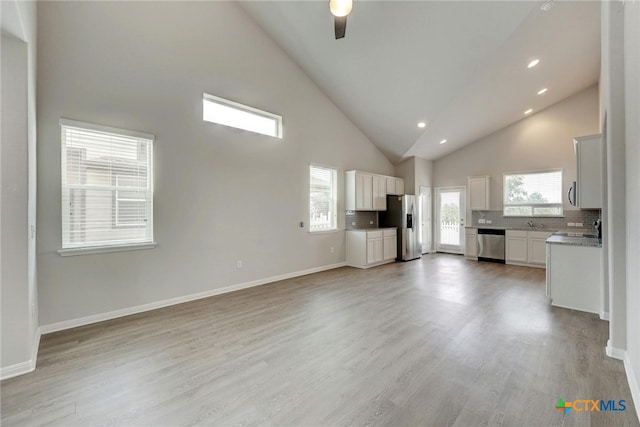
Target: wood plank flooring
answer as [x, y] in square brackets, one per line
[440, 341]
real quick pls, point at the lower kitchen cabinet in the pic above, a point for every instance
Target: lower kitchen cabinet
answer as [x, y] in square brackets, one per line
[390, 245]
[471, 243]
[368, 248]
[574, 277]
[526, 248]
[515, 247]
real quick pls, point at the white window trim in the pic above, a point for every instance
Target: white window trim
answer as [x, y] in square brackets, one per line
[335, 229]
[246, 109]
[88, 250]
[534, 205]
[115, 247]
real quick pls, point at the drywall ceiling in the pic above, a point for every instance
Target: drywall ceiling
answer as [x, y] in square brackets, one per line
[460, 66]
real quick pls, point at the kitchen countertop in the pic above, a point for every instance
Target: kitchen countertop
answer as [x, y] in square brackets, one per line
[372, 229]
[593, 242]
[494, 227]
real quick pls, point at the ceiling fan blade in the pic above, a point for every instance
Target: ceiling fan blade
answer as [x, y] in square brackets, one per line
[340, 26]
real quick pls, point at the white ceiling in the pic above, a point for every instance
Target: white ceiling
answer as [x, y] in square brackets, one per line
[461, 66]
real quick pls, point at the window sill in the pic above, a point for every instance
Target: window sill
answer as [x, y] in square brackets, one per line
[533, 216]
[104, 249]
[335, 230]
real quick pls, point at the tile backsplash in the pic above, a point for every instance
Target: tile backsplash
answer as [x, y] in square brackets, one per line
[360, 219]
[586, 216]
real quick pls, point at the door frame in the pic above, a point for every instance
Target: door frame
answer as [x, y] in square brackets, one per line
[453, 249]
[426, 204]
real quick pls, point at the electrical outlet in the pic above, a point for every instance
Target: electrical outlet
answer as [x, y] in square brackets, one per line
[571, 224]
[579, 224]
[353, 223]
[239, 264]
[370, 222]
[481, 221]
[331, 249]
[488, 221]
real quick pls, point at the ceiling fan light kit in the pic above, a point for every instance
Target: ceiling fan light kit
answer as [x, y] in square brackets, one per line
[340, 9]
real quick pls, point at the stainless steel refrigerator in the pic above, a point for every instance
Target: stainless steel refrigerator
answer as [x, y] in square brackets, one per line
[403, 212]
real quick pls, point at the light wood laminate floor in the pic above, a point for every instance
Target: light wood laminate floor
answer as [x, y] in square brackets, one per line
[433, 342]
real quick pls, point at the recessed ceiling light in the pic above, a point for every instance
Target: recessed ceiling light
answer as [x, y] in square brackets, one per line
[533, 63]
[546, 6]
[529, 111]
[443, 141]
[422, 125]
[541, 91]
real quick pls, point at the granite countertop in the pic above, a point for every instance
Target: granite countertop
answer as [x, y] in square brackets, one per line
[593, 242]
[373, 229]
[495, 227]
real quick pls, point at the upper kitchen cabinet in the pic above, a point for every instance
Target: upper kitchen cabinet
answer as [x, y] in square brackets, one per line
[379, 193]
[588, 191]
[366, 191]
[478, 193]
[395, 186]
[358, 191]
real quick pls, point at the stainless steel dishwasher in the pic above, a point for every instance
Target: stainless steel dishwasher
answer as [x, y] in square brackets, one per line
[491, 245]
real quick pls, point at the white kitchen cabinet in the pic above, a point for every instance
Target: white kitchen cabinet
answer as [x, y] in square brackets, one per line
[379, 193]
[390, 245]
[478, 194]
[573, 276]
[358, 191]
[588, 150]
[526, 248]
[516, 247]
[369, 248]
[375, 250]
[537, 247]
[395, 186]
[471, 243]
[365, 191]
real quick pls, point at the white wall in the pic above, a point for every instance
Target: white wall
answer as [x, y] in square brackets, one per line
[632, 111]
[416, 172]
[221, 194]
[541, 141]
[614, 213]
[18, 279]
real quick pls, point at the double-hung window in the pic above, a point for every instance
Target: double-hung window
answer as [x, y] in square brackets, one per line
[533, 193]
[322, 198]
[107, 188]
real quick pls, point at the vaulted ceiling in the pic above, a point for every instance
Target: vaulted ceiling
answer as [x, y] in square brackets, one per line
[459, 66]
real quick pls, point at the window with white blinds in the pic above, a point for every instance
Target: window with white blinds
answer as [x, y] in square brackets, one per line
[533, 194]
[322, 198]
[107, 186]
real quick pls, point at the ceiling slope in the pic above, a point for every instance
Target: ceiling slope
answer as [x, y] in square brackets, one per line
[460, 66]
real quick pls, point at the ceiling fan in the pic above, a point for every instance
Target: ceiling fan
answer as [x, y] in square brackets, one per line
[340, 9]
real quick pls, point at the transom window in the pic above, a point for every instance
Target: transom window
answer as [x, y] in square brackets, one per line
[533, 194]
[229, 113]
[107, 186]
[322, 198]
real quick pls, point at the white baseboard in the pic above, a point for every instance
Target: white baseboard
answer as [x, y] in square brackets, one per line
[633, 383]
[26, 366]
[604, 315]
[615, 353]
[95, 318]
